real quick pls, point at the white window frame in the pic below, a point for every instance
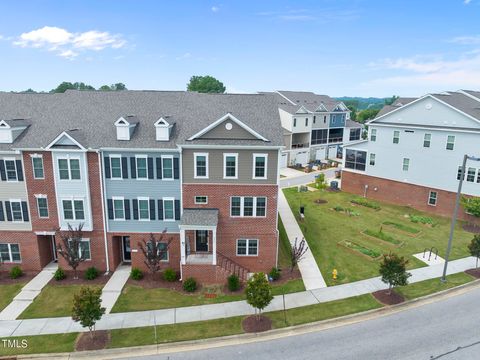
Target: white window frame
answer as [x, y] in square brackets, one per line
[196, 176]
[117, 156]
[201, 196]
[373, 135]
[242, 207]
[448, 142]
[38, 206]
[225, 155]
[163, 168]
[372, 158]
[33, 157]
[122, 199]
[69, 167]
[146, 167]
[147, 199]
[16, 170]
[21, 209]
[72, 201]
[87, 240]
[429, 140]
[247, 247]
[173, 208]
[407, 163]
[11, 261]
[265, 176]
[430, 197]
[396, 132]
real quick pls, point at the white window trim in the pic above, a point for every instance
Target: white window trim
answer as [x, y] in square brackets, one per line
[38, 207]
[453, 143]
[21, 209]
[173, 201]
[429, 140]
[255, 156]
[225, 155]
[10, 253]
[168, 252]
[16, 170]
[429, 196]
[149, 210]
[407, 163]
[242, 207]
[195, 176]
[136, 166]
[68, 158]
[247, 247]
[117, 156]
[37, 156]
[163, 167]
[73, 209]
[396, 137]
[201, 203]
[87, 240]
[373, 133]
[122, 199]
[370, 159]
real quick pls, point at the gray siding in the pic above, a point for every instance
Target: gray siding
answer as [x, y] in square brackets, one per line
[220, 132]
[215, 166]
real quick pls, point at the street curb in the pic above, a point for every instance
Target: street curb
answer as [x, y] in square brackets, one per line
[256, 337]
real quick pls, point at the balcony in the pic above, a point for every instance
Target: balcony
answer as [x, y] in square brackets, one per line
[300, 145]
[335, 140]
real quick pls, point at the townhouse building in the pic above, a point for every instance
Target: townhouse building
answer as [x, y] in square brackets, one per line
[201, 168]
[414, 153]
[314, 126]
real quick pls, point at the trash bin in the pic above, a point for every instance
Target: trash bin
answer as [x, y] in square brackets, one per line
[334, 185]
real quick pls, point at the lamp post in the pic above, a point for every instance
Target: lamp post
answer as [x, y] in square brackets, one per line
[455, 212]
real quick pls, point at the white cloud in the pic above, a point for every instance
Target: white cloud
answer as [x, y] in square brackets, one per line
[466, 40]
[67, 44]
[187, 55]
[215, 9]
[323, 15]
[466, 2]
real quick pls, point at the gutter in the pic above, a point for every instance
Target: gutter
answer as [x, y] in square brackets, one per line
[105, 239]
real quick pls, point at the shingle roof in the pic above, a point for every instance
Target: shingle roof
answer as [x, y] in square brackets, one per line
[93, 113]
[200, 217]
[308, 100]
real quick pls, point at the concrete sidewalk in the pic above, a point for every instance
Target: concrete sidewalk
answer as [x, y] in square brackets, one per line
[28, 293]
[219, 311]
[113, 288]
[312, 278]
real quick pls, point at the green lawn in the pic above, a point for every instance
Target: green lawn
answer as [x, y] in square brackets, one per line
[8, 292]
[53, 301]
[38, 344]
[325, 228]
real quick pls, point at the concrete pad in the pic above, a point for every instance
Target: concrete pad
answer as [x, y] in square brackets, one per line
[113, 288]
[56, 326]
[238, 308]
[138, 319]
[30, 327]
[429, 259]
[111, 321]
[14, 309]
[304, 298]
[289, 173]
[163, 317]
[7, 327]
[26, 295]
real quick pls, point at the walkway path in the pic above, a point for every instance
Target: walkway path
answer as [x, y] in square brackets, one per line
[312, 278]
[113, 288]
[220, 311]
[28, 293]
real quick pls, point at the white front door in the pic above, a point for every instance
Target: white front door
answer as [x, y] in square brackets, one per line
[283, 160]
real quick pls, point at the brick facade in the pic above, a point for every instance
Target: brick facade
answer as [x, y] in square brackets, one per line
[31, 256]
[400, 193]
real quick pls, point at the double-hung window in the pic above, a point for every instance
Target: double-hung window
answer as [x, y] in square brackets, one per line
[450, 142]
[37, 165]
[406, 164]
[10, 253]
[116, 167]
[459, 173]
[236, 206]
[427, 139]
[471, 174]
[118, 208]
[69, 169]
[230, 166]
[248, 206]
[373, 135]
[142, 169]
[372, 159]
[17, 214]
[167, 167]
[260, 166]
[73, 209]
[396, 137]
[11, 170]
[160, 248]
[84, 251]
[201, 165]
[143, 208]
[168, 209]
[247, 247]
[432, 198]
[42, 206]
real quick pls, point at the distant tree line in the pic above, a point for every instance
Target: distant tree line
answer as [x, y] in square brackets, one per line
[370, 112]
[66, 85]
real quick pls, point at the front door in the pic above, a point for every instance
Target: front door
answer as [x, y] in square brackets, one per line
[201, 240]
[126, 250]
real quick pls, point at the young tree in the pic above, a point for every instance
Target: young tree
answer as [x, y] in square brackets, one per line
[393, 271]
[69, 247]
[205, 84]
[297, 251]
[471, 205]
[155, 250]
[87, 307]
[259, 292]
[474, 248]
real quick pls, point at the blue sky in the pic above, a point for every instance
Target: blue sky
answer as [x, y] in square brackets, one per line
[361, 48]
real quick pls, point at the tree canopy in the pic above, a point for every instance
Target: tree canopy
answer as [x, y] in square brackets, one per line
[206, 84]
[471, 205]
[393, 270]
[390, 101]
[64, 86]
[258, 291]
[367, 114]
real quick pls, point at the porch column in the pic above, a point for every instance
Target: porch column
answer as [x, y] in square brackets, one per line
[183, 260]
[214, 243]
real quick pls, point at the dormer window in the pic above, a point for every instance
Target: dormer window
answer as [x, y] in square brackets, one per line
[125, 128]
[162, 129]
[11, 129]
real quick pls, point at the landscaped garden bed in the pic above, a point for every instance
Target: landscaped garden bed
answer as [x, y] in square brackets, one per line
[358, 249]
[405, 229]
[382, 236]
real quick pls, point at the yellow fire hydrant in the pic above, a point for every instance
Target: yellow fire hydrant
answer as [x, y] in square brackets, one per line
[334, 274]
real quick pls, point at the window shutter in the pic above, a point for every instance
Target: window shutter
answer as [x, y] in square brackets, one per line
[25, 211]
[160, 209]
[150, 167]
[19, 170]
[135, 209]
[159, 167]
[2, 215]
[110, 208]
[126, 204]
[124, 168]
[133, 168]
[176, 169]
[177, 209]
[106, 161]
[152, 209]
[3, 174]
[8, 209]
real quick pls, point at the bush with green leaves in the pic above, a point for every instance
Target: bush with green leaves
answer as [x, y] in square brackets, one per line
[87, 307]
[190, 284]
[422, 220]
[274, 273]
[170, 275]
[474, 248]
[91, 273]
[59, 274]
[136, 274]
[233, 282]
[16, 272]
[365, 203]
[393, 271]
[258, 292]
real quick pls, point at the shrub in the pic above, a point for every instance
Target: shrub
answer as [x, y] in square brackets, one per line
[233, 282]
[366, 203]
[136, 274]
[59, 274]
[421, 219]
[16, 272]
[169, 275]
[91, 273]
[190, 285]
[338, 208]
[274, 273]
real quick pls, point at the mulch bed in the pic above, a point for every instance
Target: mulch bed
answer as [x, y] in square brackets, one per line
[474, 272]
[388, 299]
[101, 338]
[6, 280]
[101, 279]
[320, 201]
[254, 324]
[151, 281]
[471, 228]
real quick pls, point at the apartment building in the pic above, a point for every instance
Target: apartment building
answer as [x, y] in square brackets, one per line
[201, 167]
[414, 151]
[314, 127]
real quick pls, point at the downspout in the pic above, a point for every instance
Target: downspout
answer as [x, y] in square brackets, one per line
[105, 239]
